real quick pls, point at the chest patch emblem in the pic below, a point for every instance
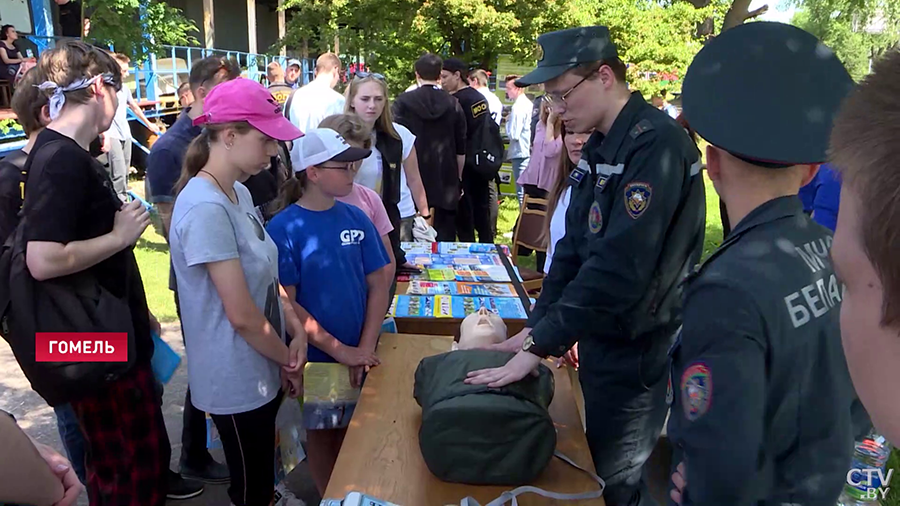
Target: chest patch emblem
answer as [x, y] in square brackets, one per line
[595, 218]
[696, 391]
[637, 198]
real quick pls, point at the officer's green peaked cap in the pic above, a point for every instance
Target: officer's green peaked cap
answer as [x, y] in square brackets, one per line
[565, 49]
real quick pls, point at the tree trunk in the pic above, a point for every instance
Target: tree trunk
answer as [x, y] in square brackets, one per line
[740, 12]
[706, 28]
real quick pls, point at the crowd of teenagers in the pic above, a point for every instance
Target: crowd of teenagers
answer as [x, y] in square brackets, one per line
[284, 216]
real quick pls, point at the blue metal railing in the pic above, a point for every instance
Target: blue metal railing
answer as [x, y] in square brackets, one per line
[152, 83]
[180, 61]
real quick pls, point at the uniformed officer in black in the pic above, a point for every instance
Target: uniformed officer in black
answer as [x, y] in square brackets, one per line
[761, 394]
[634, 229]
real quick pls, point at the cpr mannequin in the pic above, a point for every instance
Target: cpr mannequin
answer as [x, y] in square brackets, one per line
[480, 330]
[459, 421]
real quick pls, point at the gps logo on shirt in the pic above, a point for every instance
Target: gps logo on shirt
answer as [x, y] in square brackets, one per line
[350, 237]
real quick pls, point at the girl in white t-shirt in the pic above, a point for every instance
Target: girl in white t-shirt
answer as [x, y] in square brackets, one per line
[561, 191]
[367, 96]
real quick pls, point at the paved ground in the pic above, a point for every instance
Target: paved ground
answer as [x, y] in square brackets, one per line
[38, 420]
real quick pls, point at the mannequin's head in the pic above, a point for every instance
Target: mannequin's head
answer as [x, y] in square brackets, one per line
[480, 330]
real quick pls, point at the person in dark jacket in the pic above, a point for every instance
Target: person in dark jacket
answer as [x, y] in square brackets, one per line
[474, 213]
[634, 228]
[438, 122]
[762, 402]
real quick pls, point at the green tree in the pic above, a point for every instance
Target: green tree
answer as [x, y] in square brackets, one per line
[138, 28]
[859, 31]
[657, 38]
[391, 34]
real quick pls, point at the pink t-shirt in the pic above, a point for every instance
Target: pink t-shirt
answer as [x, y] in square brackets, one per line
[370, 203]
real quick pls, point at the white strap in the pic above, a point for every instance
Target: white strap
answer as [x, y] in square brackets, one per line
[696, 167]
[510, 495]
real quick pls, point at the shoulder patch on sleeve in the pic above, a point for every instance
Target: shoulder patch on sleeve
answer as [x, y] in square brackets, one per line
[479, 108]
[696, 390]
[642, 126]
[637, 198]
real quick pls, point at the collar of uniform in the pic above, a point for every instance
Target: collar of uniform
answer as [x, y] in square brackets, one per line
[775, 209]
[772, 210]
[612, 141]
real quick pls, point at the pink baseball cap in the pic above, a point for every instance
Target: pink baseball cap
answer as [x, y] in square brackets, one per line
[246, 100]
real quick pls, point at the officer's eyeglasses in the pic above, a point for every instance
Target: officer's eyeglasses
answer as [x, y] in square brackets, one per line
[560, 100]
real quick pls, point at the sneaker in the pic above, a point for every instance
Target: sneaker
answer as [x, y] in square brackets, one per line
[180, 488]
[213, 472]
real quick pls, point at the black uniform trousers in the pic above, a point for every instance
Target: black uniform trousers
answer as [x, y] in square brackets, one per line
[624, 384]
[474, 212]
[445, 224]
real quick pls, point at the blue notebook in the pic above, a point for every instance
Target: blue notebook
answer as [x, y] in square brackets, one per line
[165, 361]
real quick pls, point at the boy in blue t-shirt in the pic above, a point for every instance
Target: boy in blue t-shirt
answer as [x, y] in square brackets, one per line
[331, 260]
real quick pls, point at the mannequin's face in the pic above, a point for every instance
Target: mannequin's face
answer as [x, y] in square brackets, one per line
[481, 329]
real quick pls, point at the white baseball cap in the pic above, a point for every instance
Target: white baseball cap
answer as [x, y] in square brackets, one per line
[321, 145]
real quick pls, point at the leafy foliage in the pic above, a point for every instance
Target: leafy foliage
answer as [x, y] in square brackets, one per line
[390, 35]
[657, 38]
[138, 28]
[657, 41]
[6, 125]
[859, 31]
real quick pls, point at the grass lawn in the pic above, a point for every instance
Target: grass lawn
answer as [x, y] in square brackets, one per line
[713, 236]
[152, 254]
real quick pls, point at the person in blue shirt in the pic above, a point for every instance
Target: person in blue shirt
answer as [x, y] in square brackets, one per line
[332, 262]
[822, 196]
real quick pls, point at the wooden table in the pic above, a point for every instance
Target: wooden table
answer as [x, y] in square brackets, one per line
[381, 457]
[443, 326]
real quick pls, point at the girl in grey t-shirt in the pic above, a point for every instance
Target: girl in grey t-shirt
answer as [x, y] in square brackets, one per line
[233, 310]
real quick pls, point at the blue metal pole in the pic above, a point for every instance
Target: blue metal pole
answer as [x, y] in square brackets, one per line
[42, 20]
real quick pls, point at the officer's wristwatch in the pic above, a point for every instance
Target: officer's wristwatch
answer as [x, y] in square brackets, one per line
[531, 347]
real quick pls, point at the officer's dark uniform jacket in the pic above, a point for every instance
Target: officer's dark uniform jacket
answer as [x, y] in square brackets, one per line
[760, 390]
[634, 228]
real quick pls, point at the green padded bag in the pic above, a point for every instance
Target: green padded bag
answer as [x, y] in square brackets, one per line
[478, 435]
